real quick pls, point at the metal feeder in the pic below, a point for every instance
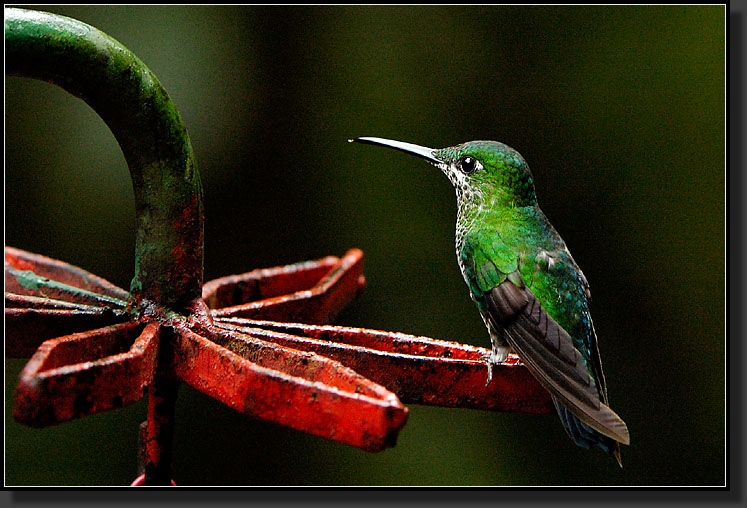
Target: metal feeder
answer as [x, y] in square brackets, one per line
[258, 342]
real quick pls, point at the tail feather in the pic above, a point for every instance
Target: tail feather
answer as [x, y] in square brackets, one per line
[583, 435]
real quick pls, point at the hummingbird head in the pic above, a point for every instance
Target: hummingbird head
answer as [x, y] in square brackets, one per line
[478, 170]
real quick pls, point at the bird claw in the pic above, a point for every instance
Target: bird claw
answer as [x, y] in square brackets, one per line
[496, 356]
[488, 359]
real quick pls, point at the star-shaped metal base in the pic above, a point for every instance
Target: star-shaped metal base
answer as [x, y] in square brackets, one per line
[257, 342]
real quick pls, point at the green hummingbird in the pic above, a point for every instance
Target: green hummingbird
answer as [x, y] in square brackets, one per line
[531, 295]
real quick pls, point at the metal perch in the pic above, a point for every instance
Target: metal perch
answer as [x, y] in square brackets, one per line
[258, 342]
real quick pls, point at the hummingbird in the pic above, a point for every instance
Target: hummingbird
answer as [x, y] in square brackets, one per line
[531, 294]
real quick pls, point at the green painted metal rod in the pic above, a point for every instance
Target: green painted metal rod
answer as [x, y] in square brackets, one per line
[126, 94]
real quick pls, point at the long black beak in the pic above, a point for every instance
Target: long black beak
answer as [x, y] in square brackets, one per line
[420, 151]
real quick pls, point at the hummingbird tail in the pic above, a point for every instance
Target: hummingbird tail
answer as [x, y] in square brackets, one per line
[616, 453]
[583, 435]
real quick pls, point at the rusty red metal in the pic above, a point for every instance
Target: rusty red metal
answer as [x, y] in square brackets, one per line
[253, 342]
[297, 389]
[34, 315]
[420, 370]
[61, 272]
[310, 292]
[86, 372]
[158, 431]
[140, 481]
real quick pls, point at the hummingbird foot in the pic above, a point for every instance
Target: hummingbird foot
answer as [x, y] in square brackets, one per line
[496, 356]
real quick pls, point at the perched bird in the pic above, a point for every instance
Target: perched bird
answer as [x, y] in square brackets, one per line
[531, 295]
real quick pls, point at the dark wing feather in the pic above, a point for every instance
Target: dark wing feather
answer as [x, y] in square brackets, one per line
[547, 350]
[594, 357]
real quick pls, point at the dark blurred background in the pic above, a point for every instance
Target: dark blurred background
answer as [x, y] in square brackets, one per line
[619, 111]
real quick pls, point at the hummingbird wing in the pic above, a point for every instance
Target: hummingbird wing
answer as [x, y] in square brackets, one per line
[590, 353]
[548, 352]
[502, 282]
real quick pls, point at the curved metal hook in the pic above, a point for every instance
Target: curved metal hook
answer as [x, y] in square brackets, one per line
[132, 102]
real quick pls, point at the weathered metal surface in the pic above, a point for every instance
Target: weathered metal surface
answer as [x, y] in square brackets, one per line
[159, 427]
[297, 389]
[129, 98]
[419, 370]
[311, 292]
[329, 381]
[46, 298]
[85, 373]
[241, 290]
[60, 272]
[27, 329]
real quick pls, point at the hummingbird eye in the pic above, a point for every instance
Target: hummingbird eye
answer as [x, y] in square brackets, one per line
[468, 165]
